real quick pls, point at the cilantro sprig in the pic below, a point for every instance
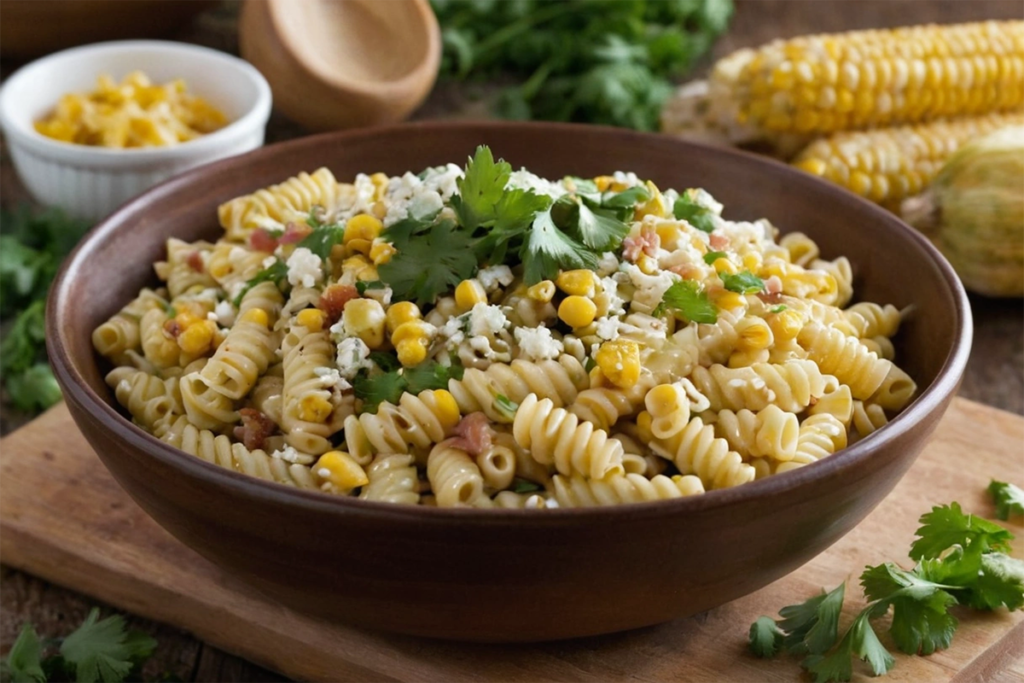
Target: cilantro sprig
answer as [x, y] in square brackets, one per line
[687, 300]
[1009, 499]
[743, 282]
[961, 560]
[388, 385]
[98, 650]
[687, 209]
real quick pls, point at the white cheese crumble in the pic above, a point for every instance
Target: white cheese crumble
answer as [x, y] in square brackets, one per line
[486, 320]
[304, 268]
[353, 356]
[524, 180]
[616, 304]
[482, 345]
[381, 296]
[607, 328]
[332, 378]
[454, 330]
[493, 277]
[267, 262]
[289, 454]
[607, 264]
[629, 179]
[649, 288]
[536, 343]
[443, 180]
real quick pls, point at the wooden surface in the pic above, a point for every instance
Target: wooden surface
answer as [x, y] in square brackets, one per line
[995, 373]
[63, 517]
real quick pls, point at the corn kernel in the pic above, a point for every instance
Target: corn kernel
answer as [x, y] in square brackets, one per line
[786, 324]
[414, 330]
[754, 334]
[603, 182]
[198, 338]
[577, 311]
[364, 318]
[469, 293]
[255, 315]
[362, 227]
[577, 282]
[401, 312]
[359, 246]
[597, 378]
[315, 408]
[619, 361]
[655, 206]
[311, 318]
[446, 409]
[339, 469]
[381, 252]
[648, 265]
[724, 265]
[380, 184]
[731, 300]
[411, 352]
[752, 262]
[542, 292]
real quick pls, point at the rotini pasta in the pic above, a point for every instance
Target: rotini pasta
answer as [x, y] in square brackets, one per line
[316, 344]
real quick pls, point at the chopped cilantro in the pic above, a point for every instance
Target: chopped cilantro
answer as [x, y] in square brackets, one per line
[168, 309]
[431, 375]
[389, 385]
[386, 387]
[480, 189]
[778, 309]
[431, 264]
[1009, 499]
[363, 286]
[506, 406]
[712, 256]
[514, 214]
[276, 273]
[520, 485]
[742, 283]
[323, 238]
[548, 250]
[765, 637]
[693, 213]
[385, 361]
[627, 199]
[598, 229]
[686, 299]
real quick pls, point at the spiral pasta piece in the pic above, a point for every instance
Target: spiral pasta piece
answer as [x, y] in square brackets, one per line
[497, 465]
[845, 357]
[266, 395]
[820, 436]
[556, 436]
[618, 489]
[121, 332]
[240, 359]
[837, 402]
[276, 205]
[413, 426]
[511, 500]
[896, 389]
[230, 264]
[525, 466]
[868, 418]
[219, 450]
[185, 267]
[790, 386]
[558, 380]
[310, 412]
[148, 399]
[206, 408]
[604, 406]
[393, 479]
[770, 432]
[872, 320]
[454, 478]
[696, 450]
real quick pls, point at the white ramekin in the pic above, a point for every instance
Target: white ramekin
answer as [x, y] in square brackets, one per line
[90, 182]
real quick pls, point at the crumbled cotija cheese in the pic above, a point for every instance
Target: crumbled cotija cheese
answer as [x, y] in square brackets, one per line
[332, 378]
[289, 454]
[224, 313]
[607, 328]
[537, 343]
[493, 277]
[486, 319]
[607, 264]
[353, 356]
[524, 180]
[304, 268]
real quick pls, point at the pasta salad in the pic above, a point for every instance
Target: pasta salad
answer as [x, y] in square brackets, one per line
[484, 337]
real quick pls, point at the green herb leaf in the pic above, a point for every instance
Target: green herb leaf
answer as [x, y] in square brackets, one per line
[947, 525]
[505, 406]
[23, 344]
[430, 264]
[23, 662]
[277, 273]
[389, 385]
[1009, 499]
[778, 309]
[386, 387]
[362, 286]
[34, 389]
[103, 650]
[921, 622]
[520, 485]
[700, 217]
[431, 375]
[765, 637]
[514, 214]
[384, 360]
[860, 641]
[627, 199]
[480, 189]
[687, 300]
[548, 249]
[813, 626]
[712, 256]
[742, 283]
[323, 238]
[599, 230]
[1000, 583]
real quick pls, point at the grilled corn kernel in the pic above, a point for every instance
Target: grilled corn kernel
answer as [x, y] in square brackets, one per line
[380, 184]
[731, 300]
[648, 265]
[364, 318]
[619, 361]
[542, 292]
[724, 265]
[786, 324]
[411, 352]
[754, 334]
[597, 378]
[381, 252]
[414, 330]
[362, 227]
[577, 311]
[314, 408]
[577, 282]
[401, 312]
[752, 262]
[255, 315]
[197, 338]
[359, 266]
[446, 409]
[311, 318]
[219, 269]
[603, 182]
[655, 206]
[663, 399]
[339, 469]
[468, 294]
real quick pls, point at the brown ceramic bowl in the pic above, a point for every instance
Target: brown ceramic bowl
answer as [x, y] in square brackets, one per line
[500, 575]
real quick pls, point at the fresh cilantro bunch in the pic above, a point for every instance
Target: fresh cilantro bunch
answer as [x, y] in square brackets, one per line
[32, 247]
[592, 61]
[99, 650]
[961, 559]
[1009, 499]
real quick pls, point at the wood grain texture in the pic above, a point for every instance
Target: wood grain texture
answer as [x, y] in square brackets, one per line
[63, 518]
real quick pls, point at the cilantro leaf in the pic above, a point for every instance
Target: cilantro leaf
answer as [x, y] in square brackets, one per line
[385, 387]
[712, 256]
[514, 214]
[23, 662]
[277, 273]
[742, 283]
[103, 650]
[430, 264]
[431, 375]
[480, 189]
[778, 309]
[947, 525]
[388, 386]
[765, 637]
[700, 217]
[405, 229]
[1000, 582]
[599, 230]
[323, 238]
[687, 299]
[23, 343]
[505, 406]
[33, 389]
[548, 249]
[812, 626]
[1009, 499]
[520, 485]
[627, 199]
[921, 622]
[385, 361]
[860, 641]
[363, 285]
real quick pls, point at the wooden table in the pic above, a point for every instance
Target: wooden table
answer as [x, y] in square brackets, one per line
[995, 373]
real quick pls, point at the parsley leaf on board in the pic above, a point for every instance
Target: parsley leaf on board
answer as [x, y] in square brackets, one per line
[24, 661]
[947, 525]
[812, 626]
[687, 299]
[860, 641]
[743, 282]
[104, 650]
[765, 637]
[700, 217]
[1009, 499]
[921, 622]
[431, 264]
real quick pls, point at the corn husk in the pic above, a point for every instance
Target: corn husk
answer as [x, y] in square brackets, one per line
[974, 213]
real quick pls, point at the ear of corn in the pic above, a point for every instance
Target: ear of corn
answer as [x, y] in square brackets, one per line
[861, 79]
[890, 164]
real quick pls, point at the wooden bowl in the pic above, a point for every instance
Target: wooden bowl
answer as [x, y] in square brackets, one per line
[512, 575]
[30, 28]
[343, 63]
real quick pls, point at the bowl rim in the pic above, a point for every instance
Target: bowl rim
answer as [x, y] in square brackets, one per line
[253, 118]
[846, 460]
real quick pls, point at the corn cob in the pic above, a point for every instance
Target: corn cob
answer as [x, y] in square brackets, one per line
[862, 79]
[889, 164]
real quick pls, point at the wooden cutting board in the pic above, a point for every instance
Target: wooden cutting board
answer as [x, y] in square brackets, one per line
[63, 518]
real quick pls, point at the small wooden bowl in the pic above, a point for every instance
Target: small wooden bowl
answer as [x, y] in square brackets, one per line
[343, 63]
[30, 28]
[512, 575]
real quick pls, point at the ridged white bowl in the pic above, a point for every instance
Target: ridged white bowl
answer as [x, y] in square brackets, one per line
[90, 182]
